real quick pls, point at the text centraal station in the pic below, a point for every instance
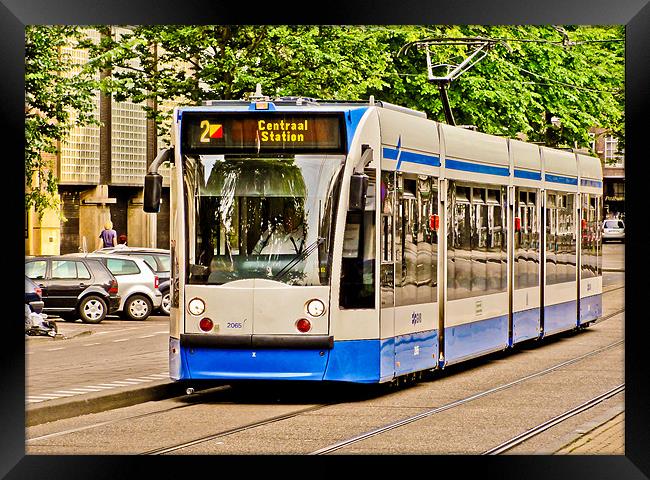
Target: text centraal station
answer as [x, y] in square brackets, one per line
[282, 131]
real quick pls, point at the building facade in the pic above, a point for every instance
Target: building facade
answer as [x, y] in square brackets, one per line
[612, 157]
[100, 171]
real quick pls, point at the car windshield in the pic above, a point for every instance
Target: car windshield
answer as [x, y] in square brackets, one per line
[260, 217]
[614, 224]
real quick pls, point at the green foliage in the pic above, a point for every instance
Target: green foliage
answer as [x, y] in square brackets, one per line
[526, 79]
[190, 64]
[57, 97]
[531, 75]
[534, 73]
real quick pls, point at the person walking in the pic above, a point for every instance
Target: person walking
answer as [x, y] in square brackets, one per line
[108, 236]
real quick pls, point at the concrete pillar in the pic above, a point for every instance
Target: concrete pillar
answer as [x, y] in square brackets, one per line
[93, 213]
[44, 234]
[142, 227]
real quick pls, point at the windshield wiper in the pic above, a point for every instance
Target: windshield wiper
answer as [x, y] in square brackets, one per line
[299, 258]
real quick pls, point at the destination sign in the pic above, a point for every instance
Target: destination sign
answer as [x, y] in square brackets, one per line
[257, 132]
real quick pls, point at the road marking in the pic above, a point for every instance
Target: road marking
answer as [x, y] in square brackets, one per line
[164, 331]
[99, 386]
[53, 349]
[90, 344]
[72, 392]
[85, 389]
[102, 333]
[146, 336]
[121, 340]
[140, 380]
[124, 382]
[51, 396]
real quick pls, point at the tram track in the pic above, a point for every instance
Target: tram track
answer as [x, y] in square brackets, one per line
[394, 425]
[542, 427]
[400, 423]
[311, 409]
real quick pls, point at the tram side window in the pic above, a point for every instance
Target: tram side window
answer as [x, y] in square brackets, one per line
[358, 260]
[588, 235]
[416, 262]
[496, 244]
[570, 248]
[459, 232]
[599, 236]
[406, 242]
[476, 253]
[561, 238]
[550, 239]
[386, 238]
[526, 241]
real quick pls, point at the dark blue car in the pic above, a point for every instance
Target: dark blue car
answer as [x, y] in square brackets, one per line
[33, 296]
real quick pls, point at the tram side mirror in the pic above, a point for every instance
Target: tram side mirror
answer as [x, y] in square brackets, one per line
[358, 192]
[152, 192]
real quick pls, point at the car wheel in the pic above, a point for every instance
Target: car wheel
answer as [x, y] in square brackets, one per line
[92, 309]
[138, 307]
[165, 306]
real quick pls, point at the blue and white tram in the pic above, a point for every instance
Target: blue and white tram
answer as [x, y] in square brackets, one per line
[361, 242]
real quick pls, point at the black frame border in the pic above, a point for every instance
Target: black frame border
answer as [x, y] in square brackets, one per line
[635, 14]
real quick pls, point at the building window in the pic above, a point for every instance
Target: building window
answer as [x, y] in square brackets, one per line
[613, 156]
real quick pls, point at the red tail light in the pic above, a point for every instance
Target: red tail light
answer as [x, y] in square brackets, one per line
[206, 324]
[303, 325]
[155, 281]
[113, 289]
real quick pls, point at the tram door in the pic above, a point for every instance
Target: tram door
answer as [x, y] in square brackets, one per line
[409, 264]
[387, 271]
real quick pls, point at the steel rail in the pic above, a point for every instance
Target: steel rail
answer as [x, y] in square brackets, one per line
[293, 414]
[428, 413]
[521, 438]
[207, 438]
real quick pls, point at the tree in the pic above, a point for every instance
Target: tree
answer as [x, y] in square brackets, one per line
[190, 64]
[58, 96]
[532, 73]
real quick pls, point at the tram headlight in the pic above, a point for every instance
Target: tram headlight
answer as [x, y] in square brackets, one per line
[315, 308]
[196, 306]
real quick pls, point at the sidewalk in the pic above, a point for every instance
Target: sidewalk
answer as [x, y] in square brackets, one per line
[603, 436]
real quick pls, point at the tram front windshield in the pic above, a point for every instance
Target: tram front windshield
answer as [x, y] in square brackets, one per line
[260, 218]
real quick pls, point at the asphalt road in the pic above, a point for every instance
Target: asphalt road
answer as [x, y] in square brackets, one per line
[118, 353]
[89, 358]
[222, 420]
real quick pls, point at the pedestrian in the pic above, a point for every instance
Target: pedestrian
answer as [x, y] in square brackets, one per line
[121, 240]
[108, 236]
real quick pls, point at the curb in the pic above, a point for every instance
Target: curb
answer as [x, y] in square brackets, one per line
[584, 430]
[60, 409]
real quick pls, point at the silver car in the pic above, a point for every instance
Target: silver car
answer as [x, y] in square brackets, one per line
[137, 285]
[613, 229]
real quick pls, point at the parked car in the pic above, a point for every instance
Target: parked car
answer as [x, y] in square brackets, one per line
[157, 258]
[137, 284]
[33, 296]
[613, 229]
[74, 287]
[164, 288]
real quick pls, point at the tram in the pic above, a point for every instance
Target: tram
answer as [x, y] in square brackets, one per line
[362, 242]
